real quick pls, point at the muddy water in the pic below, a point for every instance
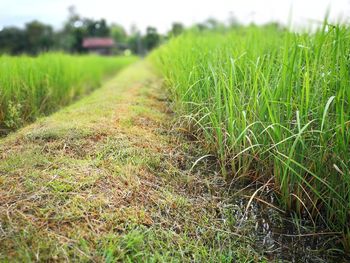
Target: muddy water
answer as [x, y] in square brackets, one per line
[280, 237]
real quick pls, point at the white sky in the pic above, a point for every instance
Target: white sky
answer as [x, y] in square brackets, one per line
[162, 13]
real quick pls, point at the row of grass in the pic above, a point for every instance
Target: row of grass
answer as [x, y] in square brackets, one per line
[33, 86]
[272, 104]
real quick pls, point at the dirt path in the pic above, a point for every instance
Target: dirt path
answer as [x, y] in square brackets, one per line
[107, 180]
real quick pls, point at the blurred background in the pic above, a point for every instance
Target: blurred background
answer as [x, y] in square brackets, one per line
[134, 26]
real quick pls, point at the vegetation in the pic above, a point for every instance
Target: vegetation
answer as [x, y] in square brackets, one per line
[94, 183]
[31, 87]
[273, 106]
[112, 178]
[37, 37]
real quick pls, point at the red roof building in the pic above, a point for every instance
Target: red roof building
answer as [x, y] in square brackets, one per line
[99, 45]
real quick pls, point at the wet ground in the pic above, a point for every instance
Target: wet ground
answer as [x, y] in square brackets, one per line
[282, 237]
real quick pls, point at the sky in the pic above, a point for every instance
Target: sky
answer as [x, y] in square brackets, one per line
[162, 13]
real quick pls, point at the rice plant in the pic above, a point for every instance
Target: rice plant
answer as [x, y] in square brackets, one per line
[273, 103]
[31, 87]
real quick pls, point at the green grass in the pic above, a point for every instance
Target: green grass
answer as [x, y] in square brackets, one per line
[31, 87]
[272, 103]
[106, 180]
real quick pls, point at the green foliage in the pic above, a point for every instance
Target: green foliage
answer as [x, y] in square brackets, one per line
[12, 40]
[76, 28]
[273, 103]
[151, 39]
[176, 29]
[13, 117]
[119, 34]
[36, 37]
[39, 37]
[135, 43]
[97, 28]
[30, 87]
[111, 192]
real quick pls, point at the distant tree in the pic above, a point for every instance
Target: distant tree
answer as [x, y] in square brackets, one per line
[76, 28]
[214, 24]
[12, 40]
[39, 37]
[176, 29]
[201, 26]
[36, 37]
[120, 37]
[210, 24]
[151, 39]
[97, 28]
[71, 37]
[135, 43]
[118, 33]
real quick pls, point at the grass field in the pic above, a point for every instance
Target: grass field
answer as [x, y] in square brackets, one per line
[106, 179]
[31, 87]
[273, 106]
[131, 172]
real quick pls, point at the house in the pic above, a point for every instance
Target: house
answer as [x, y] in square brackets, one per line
[99, 45]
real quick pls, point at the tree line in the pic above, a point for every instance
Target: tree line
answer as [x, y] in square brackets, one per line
[37, 37]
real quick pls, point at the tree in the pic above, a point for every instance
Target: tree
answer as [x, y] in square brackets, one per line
[39, 37]
[35, 38]
[176, 29]
[71, 37]
[118, 33]
[76, 28]
[134, 41]
[210, 24]
[151, 39]
[97, 28]
[12, 40]
[135, 44]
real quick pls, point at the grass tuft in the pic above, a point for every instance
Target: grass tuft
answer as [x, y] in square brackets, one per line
[31, 87]
[270, 101]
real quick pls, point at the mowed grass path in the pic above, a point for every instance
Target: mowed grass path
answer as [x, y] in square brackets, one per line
[107, 180]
